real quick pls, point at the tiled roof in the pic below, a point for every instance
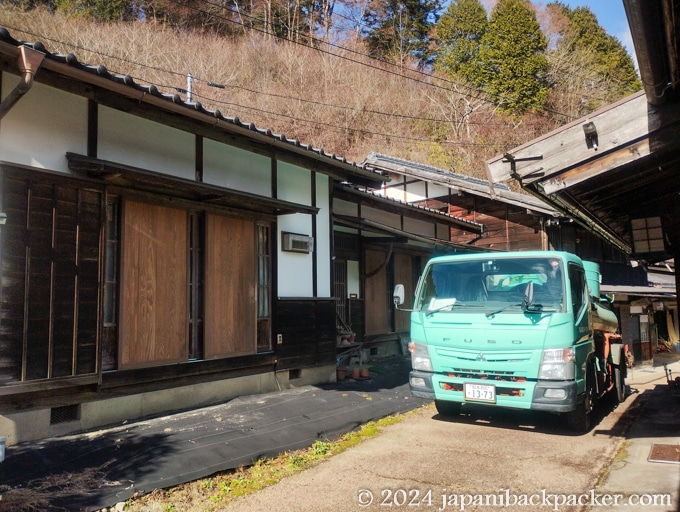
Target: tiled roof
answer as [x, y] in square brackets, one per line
[191, 107]
[444, 216]
[451, 179]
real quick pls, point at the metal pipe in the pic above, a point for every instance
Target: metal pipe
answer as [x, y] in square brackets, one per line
[29, 62]
[646, 21]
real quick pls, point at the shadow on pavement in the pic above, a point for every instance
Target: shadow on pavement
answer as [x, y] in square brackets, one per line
[95, 470]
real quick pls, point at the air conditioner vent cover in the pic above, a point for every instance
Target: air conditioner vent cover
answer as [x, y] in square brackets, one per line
[293, 242]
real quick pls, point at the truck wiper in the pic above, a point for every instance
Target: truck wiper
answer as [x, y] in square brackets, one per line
[442, 308]
[492, 313]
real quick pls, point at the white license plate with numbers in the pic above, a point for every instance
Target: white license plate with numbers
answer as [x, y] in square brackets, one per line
[480, 392]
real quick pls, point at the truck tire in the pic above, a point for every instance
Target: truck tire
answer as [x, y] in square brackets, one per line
[618, 392]
[579, 418]
[447, 408]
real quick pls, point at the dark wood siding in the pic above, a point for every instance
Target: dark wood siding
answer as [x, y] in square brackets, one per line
[50, 274]
[506, 227]
[308, 330]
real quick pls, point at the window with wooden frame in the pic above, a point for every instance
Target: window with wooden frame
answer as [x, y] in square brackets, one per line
[196, 283]
[264, 286]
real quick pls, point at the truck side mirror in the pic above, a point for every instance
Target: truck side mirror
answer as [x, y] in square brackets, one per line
[398, 295]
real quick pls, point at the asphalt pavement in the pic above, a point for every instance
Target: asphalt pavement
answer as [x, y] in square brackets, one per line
[99, 469]
[645, 475]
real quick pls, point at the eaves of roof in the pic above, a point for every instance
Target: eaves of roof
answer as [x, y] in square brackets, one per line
[377, 227]
[68, 66]
[640, 291]
[469, 184]
[377, 200]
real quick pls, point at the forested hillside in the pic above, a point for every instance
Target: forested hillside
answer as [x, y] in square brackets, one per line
[447, 85]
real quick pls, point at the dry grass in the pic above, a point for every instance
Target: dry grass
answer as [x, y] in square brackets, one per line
[212, 494]
[37, 495]
[338, 100]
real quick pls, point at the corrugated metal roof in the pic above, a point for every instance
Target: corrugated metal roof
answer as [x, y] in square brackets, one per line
[191, 108]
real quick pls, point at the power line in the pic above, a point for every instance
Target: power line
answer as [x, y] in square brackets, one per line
[401, 75]
[223, 86]
[255, 109]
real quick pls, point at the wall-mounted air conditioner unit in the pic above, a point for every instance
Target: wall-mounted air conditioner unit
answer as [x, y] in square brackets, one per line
[293, 242]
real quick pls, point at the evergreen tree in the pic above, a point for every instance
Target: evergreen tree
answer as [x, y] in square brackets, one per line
[397, 30]
[459, 34]
[513, 59]
[607, 71]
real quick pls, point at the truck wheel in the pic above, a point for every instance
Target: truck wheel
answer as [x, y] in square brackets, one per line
[579, 418]
[619, 390]
[447, 408]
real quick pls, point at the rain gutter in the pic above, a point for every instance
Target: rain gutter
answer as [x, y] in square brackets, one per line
[29, 62]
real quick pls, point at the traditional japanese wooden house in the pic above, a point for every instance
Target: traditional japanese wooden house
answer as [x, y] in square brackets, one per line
[154, 255]
[379, 242]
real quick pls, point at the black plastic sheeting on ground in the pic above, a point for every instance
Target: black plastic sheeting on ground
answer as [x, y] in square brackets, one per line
[111, 465]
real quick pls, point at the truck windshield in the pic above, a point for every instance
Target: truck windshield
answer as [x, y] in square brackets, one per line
[487, 283]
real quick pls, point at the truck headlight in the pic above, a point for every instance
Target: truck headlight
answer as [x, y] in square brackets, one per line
[420, 357]
[557, 364]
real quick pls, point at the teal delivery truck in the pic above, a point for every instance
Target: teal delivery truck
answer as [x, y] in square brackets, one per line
[523, 330]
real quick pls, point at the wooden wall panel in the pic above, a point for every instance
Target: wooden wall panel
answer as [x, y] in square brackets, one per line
[154, 303]
[376, 293]
[308, 330]
[90, 217]
[50, 276]
[231, 287]
[13, 265]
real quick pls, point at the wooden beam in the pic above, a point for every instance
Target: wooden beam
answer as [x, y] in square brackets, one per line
[598, 167]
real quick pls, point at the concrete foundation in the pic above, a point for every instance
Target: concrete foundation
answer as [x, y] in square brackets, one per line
[38, 424]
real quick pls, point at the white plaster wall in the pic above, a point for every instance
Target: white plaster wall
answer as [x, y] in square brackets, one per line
[434, 190]
[389, 219]
[397, 194]
[415, 192]
[134, 141]
[235, 168]
[345, 208]
[42, 127]
[295, 269]
[353, 278]
[323, 237]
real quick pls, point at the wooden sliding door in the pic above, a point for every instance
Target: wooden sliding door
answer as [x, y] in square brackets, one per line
[153, 302]
[231, 286]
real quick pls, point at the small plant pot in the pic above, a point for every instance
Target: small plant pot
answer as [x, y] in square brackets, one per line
[364, 373]
[355, 373]
[341, 373]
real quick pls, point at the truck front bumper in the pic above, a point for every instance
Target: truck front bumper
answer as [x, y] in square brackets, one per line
[551, 396]
[420, 384]
[555, 396]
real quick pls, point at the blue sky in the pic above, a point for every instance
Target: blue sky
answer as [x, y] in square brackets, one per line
[611, 16]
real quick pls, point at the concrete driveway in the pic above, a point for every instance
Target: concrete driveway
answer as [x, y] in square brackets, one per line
[485, 459]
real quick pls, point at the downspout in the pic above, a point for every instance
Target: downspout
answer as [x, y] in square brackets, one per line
[29, 62]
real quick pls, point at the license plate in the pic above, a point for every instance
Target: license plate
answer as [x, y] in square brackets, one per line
[480, 392]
